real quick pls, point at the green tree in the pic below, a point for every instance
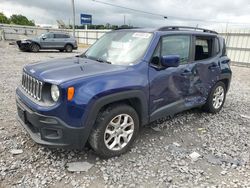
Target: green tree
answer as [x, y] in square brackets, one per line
[100, 27]
[21, 20]
[126, 26]
[4, 19]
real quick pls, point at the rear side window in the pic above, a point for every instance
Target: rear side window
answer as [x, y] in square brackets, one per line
[66, 36]
[176, 45]
[61, 36]
[203, 48]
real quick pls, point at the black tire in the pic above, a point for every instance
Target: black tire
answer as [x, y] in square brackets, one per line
[209, 106]
[22, 49]
[68, 48]
[34, 47]
[96, 139]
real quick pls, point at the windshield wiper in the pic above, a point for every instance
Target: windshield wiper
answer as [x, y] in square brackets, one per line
[96, 59]
[103, 61]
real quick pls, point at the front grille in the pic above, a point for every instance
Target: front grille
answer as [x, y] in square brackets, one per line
[32, 86]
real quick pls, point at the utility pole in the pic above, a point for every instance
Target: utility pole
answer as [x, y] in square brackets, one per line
[124, 19]
[73, 7]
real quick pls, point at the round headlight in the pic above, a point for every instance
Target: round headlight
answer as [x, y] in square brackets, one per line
[55, 92]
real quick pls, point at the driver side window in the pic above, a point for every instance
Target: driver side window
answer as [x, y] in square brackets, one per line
[172, 45]
[49, 35]
[176, 45]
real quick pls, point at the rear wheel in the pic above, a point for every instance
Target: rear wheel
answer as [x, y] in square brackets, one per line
[34, 47]
[68, 48]
[115, 130]
[216, 98]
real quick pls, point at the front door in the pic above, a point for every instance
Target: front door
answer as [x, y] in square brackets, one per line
[169, 87]
[48, 41]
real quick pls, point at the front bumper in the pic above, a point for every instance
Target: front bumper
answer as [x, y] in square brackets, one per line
[50, 131]
[24, 46]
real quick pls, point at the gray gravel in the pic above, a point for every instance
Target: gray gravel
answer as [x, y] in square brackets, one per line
[160, 157]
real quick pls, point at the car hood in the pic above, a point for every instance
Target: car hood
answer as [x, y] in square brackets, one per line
[30, 39]
[57, 71]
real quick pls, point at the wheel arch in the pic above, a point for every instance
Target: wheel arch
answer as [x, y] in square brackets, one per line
[226, 82]
[226, 79]
[34, 42]
[68, 44]
[135, 103]
[135, 98]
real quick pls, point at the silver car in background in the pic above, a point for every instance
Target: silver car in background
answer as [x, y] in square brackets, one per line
[52, 40]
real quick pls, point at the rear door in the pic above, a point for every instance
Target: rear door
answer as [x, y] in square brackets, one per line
[60, 40]
[169, 87]
[205, 68]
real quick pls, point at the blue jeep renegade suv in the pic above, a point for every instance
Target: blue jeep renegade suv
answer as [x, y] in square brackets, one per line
[127, 79]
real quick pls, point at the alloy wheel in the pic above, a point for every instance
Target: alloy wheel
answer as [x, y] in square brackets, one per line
[119, 132]
[218, 97]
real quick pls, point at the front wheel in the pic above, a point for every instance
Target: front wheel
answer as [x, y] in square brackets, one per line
[216, 98]
[115, 130]
[35, 47]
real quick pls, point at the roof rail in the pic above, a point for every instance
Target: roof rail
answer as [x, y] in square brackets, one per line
[174, 28]
[120, 28]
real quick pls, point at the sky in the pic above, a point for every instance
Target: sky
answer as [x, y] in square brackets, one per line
[179, 12]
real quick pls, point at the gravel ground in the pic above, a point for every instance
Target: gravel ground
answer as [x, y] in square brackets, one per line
[159, 158]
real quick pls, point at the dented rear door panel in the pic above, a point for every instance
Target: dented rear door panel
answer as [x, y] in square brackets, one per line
[205, 74]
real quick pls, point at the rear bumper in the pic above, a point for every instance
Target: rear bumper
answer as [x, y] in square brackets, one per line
[50, 131]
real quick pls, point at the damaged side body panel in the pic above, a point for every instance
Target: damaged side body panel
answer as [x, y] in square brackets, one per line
[180, 88]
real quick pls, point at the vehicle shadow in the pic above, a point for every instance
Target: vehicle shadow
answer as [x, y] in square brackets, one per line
[50, 51]
[164, 129]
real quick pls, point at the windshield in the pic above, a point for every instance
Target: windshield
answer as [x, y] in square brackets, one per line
[120, 48]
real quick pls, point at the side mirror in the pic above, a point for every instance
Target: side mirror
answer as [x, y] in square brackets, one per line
[170, 61]
[43, 37]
